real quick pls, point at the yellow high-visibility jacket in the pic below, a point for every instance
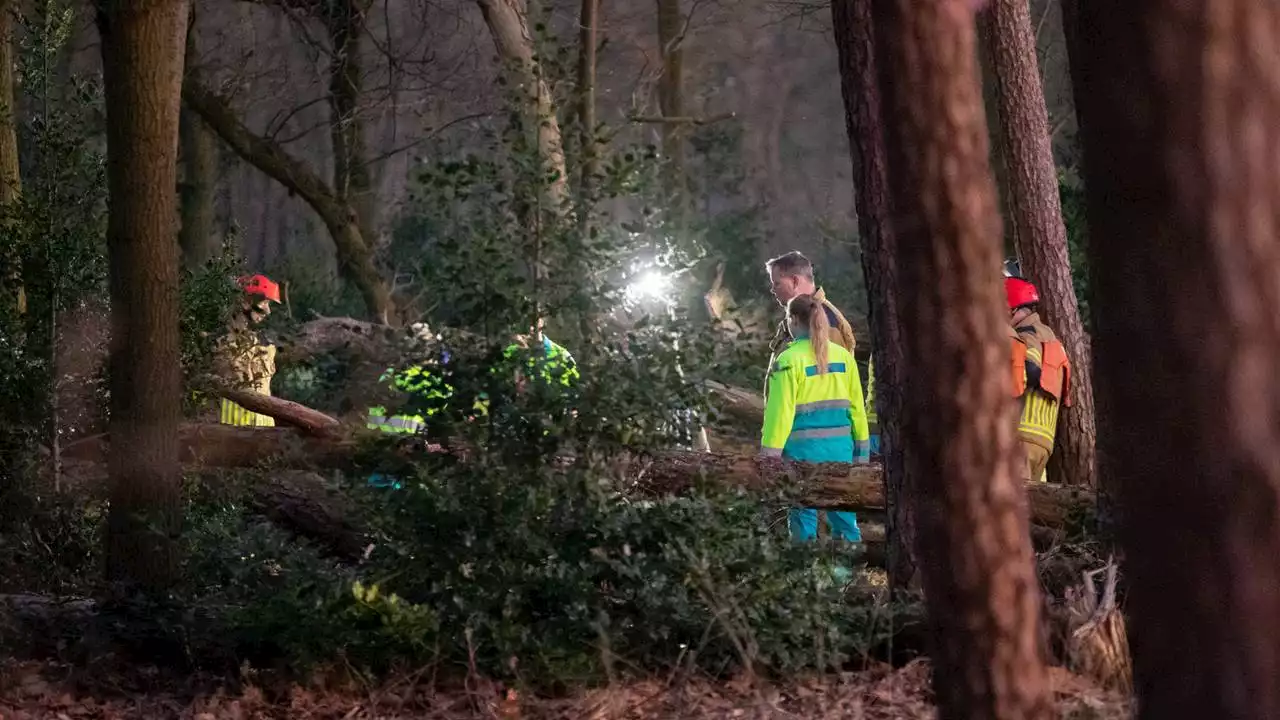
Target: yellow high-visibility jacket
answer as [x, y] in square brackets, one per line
[815, 417]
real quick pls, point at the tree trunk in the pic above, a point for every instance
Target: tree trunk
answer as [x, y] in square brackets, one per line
[10, 177]
[1036, 221]
[829, 486]
[312, 422]
[1108, 509]
[199, 157]
[351, 177]
[1181, 147]
[340, 218]
[197, 190]
[971, 511]
[587, 38]
[671, 29]
[855, 43]
[142, 58]
[508, 24]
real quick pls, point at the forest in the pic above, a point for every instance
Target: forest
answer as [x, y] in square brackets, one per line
[589, 359]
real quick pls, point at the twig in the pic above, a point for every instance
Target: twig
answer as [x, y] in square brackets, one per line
[681, 119]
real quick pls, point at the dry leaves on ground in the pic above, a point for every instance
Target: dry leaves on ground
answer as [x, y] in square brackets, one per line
[29, 691]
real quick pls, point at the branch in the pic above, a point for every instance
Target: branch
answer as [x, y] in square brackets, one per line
[261, 152]
[429, 135]
[337, 214]
[681, 120]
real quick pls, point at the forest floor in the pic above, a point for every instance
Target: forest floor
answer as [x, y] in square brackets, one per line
[35, 690]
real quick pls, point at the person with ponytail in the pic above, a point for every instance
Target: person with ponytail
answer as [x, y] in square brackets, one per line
[814, 411]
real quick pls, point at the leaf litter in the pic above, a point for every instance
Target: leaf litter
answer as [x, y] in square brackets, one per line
[45, 691]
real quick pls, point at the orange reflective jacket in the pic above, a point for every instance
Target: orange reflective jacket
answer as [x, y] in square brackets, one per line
[1055, 372]
[1019, 367]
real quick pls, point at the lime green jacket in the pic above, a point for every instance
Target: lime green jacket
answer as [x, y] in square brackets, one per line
[812, 416]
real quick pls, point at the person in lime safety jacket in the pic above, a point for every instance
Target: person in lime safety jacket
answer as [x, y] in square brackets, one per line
[414, 380]
[815, 411]
[555, 365]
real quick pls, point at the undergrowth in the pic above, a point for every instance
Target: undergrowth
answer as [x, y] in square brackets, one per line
[551, 580]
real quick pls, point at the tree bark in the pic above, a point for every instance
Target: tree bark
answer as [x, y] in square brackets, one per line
[855, 43]
[589, 19]
[198, 154]
[312, 422]
[1036, 221]
[345, 25]
[971, 512]
[671, 31]
[1181, 147]
[1108, 509]
[10, 177]
[142, 58]
[197, 190]
[508, 24]
[340, 218]
[829, 486]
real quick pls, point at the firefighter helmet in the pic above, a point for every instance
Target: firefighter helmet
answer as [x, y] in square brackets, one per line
[1020, 292]
[260, 285]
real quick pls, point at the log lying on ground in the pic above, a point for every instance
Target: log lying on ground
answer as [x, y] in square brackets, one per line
[737, 404]
[826, 486]
[287, 412]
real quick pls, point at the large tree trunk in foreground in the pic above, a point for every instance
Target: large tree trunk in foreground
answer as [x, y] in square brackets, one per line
[855, 42]
[973, 542]
[1038, 231]
[828, 486]
[142, 56]
[1182, 142]
[10, 177]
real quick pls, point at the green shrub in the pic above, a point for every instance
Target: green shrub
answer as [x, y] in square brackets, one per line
[540, 575]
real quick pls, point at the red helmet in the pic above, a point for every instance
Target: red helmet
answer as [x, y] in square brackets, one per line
[260, 285]
[1019, 292]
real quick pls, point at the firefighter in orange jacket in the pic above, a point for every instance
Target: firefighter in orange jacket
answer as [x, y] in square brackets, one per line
[1041, 375]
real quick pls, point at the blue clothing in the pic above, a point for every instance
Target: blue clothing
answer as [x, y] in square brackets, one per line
[816, 417]
[803, 524]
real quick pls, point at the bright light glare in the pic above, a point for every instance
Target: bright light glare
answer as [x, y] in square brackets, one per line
[650, 285]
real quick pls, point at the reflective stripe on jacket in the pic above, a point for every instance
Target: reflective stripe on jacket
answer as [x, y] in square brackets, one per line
[232, 414]
[1038, 422]
[406, 424]
[415, 380]
[815, 417]
[251, 367]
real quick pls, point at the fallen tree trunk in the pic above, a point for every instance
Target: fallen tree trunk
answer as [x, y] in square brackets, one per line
[829, 486]
[312, 422]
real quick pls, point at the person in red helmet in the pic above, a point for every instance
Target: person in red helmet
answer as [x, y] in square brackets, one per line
[1041, 375]
[245, 361]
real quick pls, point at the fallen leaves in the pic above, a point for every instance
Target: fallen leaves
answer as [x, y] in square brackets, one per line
[31, 691]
